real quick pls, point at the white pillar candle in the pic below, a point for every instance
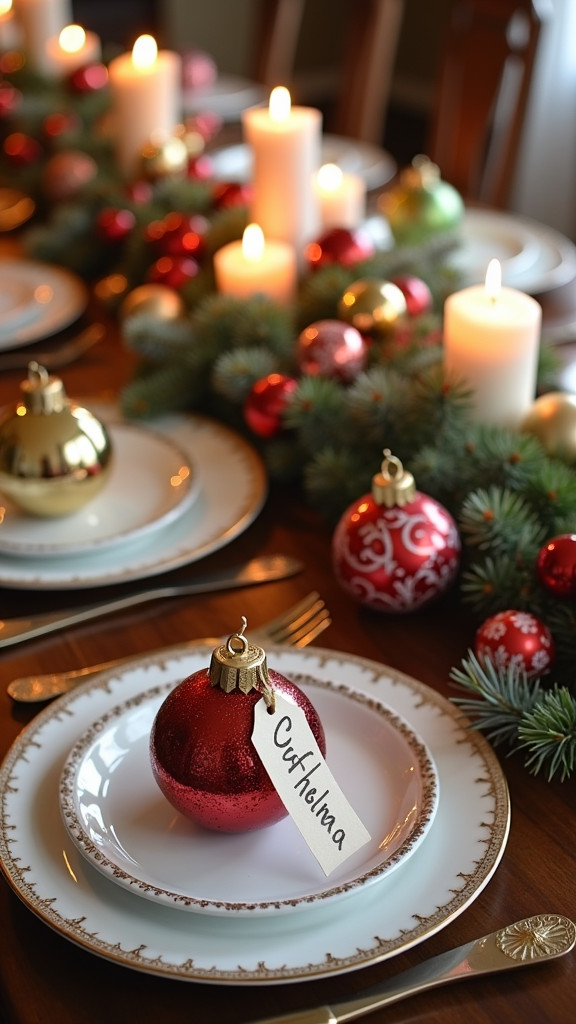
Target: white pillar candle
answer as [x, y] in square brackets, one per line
[491, 341]
[72, 49]
[341, 198]
[10, 32]
[257, 266]
[40, 21]
[146, 92]
[286, 148]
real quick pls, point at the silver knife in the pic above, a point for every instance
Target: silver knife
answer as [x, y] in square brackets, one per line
[259, 570]
[532, 940]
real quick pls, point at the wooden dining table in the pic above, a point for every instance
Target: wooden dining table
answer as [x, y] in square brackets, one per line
[47, 979]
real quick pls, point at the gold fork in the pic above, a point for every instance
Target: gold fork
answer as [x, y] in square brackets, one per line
[296, 627]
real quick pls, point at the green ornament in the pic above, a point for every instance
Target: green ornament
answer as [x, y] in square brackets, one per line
[421, 206]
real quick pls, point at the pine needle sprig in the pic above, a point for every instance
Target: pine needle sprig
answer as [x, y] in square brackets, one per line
[548, 732]
[493, 585]
[500, 521]
[499, 697]
[317, 411]
[234, 373]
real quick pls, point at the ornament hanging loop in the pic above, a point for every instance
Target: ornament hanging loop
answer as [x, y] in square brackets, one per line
[238, 638]
[240, 665]
[393, 485]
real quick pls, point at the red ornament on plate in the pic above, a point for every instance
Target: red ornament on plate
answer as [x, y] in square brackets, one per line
[339, 245]
[416, 292]
[201, 749]
[556, 565]
[516, 638]
[331, 348]
[395, 549]
[266, 403]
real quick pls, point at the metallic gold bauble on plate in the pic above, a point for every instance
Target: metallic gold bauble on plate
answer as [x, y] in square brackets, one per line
[55, 456]
[421, 205]
[552, 419]
[167, 159]
[372, 306]
[155, 300]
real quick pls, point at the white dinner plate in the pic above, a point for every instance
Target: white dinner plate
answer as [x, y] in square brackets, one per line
[445, 874]
[232, 488]
[152, 482]
[227, 97]
[37, 300]
[119, 819]
[374, 165]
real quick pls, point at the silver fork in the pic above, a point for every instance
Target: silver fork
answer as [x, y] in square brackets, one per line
[296, 627]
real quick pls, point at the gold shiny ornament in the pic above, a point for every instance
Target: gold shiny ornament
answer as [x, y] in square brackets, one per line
[158, 301]
[372, 306]
[421, 206]
[55, 456]
[552, 419]
[167, 159]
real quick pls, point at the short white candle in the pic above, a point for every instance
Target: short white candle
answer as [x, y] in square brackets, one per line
[10, 32]
[286, 148]
[341, 197]
[491, 341]
[146, 94]
[72, 49]
[41, 20]
[256, 266]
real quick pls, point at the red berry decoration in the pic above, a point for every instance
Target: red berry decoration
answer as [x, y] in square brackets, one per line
[516, 638]
[556, 565]
[201, 750]
[266, 403]
[115, 225]
[174, 271]
[331, 348]
[395, 549]
[339, 245]
[416, 292]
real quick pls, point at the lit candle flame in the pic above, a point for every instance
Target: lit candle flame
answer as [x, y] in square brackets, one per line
[280, 104]
[493, 279]
[144, 52]
[253, 243]
[330, 177]
[72, 38]
[5, 7]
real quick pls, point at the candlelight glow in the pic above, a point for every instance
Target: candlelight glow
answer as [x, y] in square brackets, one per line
[330, 177]
[253, 243]
[280, 104]
[5, 7]
[494, 279]
[72, 38]
[144, 52]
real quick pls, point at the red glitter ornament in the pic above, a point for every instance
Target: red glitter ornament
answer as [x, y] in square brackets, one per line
[174, 271]
[516, 638]
[416, 292]
[201, 749]
[395, 549]
[114, 225]
[333, 349]
[266, 403]
[339, 245]
[556, 565]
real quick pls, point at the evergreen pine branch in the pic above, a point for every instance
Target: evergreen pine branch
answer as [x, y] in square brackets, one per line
[548, 732]
[500, 521]
[499, 697]
[234, 373]
[493, 585]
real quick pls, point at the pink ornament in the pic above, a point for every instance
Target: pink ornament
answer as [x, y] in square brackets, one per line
[199, 70]
[556, 565]
[201, 168]
[395, 549]
[331, 348]
[416, 292]
[266, 403]
[339, 245]
[516, 638]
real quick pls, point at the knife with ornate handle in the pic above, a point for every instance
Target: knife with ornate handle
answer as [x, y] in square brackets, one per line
[530, 941]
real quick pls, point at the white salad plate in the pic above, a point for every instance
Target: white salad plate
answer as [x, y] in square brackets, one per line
[231, 487]
[119, 819]
[151, 483]
[37, 300]
[374, 165]
[451, 866]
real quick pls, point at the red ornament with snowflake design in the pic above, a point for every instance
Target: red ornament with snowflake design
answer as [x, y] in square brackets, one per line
[395, 549]
[516, 638]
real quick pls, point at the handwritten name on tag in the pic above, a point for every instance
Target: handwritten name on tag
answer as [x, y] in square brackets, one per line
[305, 784]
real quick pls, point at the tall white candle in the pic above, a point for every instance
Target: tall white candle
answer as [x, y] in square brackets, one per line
[491, 341]
[255, 266]
[341, 197]
[146, 93]
[10, 31]
[40, 21]
[286, 148]
[73, 48]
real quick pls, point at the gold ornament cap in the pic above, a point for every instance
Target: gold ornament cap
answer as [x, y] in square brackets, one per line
[240, 665]
[393, 485]
[41, 392]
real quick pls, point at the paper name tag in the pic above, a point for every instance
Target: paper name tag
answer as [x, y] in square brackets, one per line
[305, 784]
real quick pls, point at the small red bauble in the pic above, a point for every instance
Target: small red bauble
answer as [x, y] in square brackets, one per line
[201, 749]
[266, 403]
[22, 150]
[201, 168]
[90, 78]
[63, 123]
[395, 549]
[233, 193]
[331, 348]
[556, 565]
[178, 234]
[115, 225]
[339, 245]
[174, 271]
[516, 638]
[10, 99]
[416, 292]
